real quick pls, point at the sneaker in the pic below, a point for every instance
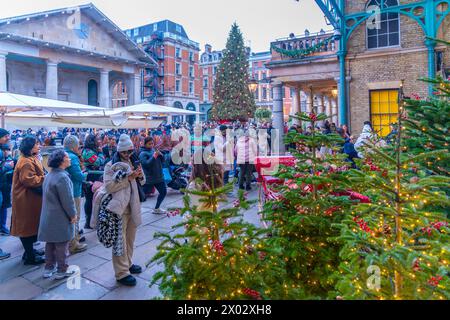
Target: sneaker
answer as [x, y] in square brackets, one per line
[48, 273]
[62, 275]
[159, 211]
[36, 252]
[4, 255]
[79, 248]
[80, 232]
[135, 269]
[36, 244]
[129, 281]
[82, 239]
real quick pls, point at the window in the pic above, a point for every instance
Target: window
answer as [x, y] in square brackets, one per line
[178, 28]
[263, 75]
[205, 82]
[386, 31]
[205, 71]
[162, 69]
[136, 32]
[147, 39]
[177, 69]
[257, 94]
[191, 56]
[205, 95]
[155, 27]
[383, 110]
[129, 33]
[119, 94]
[177, 85]
[162, 88]
[139, 40]
[191, 72]
[264, 93]
[178, 52]
[191, 87]
[215, 70]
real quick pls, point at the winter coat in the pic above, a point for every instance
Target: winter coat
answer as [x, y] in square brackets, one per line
[26, 203]
[6, 173]
[76, 175]
[224, 152]
[246, 150]
[124, 193]
[58, 208]
[364, 137]
[153, 167]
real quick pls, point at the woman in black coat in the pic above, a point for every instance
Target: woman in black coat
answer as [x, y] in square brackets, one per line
[152, 164]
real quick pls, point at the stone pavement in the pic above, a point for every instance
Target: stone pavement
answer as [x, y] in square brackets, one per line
[96, 281]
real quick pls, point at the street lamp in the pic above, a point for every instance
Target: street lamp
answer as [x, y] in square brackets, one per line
[252, 85]
[334, 92]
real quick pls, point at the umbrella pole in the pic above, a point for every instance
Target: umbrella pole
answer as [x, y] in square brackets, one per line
[3, 120]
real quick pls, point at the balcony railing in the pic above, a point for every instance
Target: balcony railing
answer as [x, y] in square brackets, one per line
[298, 47]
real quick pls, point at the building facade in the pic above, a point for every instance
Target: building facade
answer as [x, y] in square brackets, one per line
[209, 64]
[73, 54]
[355, 73]
[176, 81]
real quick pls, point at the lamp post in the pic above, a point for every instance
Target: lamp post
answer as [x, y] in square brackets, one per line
[253, 85]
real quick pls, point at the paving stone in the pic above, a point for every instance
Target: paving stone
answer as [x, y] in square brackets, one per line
[143, 254]
[87, 290]
[144, 235]
[18, 289]
[101, 251]
[86, 261]
[14, 267]
[140, 292]
[151, 271]
[103, 275]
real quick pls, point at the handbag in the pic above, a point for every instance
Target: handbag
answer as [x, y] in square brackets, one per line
[37, 190]
[142, 196]
[167, 175]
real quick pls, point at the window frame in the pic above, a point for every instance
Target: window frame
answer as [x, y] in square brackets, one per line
[370, 106]
[399, 45]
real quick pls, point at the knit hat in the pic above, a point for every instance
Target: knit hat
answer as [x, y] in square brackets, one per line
[125, 143]
[3, 132]
[71, 142]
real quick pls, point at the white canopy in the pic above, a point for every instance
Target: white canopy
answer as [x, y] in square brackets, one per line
[18, 101]
[151, 109]
[28, 119]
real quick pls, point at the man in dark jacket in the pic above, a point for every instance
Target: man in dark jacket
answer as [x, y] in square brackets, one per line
[6, 171]
[152, 164]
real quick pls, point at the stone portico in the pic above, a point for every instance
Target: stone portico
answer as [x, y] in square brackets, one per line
[76, 55]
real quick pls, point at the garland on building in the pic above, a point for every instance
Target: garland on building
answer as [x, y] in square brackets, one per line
[300, 53]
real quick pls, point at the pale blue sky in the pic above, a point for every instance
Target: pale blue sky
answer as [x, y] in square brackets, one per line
[205, 21]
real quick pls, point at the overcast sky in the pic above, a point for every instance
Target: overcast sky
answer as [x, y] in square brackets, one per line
[205, 21]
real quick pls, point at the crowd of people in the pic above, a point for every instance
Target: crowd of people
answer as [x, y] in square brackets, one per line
[115, 171]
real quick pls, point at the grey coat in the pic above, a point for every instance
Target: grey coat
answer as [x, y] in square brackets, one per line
[58, 208]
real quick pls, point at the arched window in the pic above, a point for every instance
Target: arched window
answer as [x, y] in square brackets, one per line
[119, 94]
[92, 93]
[190, 118]
[383, 31]
[179, 105]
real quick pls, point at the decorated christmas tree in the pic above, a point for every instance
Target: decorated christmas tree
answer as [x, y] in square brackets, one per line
[396, 247]
[314, 197]
[218, 255]
[232, 97]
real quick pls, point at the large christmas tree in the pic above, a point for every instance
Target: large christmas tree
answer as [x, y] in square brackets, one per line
[232, 97]
[396, 247]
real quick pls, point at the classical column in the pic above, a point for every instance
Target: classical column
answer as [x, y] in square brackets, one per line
[136, 81]
[334, 111]
[3, 84]
[310, 100]
[51, 84]
[277, 146]
[295, 107]
[328, 107]
[105, 100]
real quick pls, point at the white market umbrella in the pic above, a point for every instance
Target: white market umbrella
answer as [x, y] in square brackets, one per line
[150, 109]
[11, 102]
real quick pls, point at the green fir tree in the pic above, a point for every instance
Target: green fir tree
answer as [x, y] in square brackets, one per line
[232, 97]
